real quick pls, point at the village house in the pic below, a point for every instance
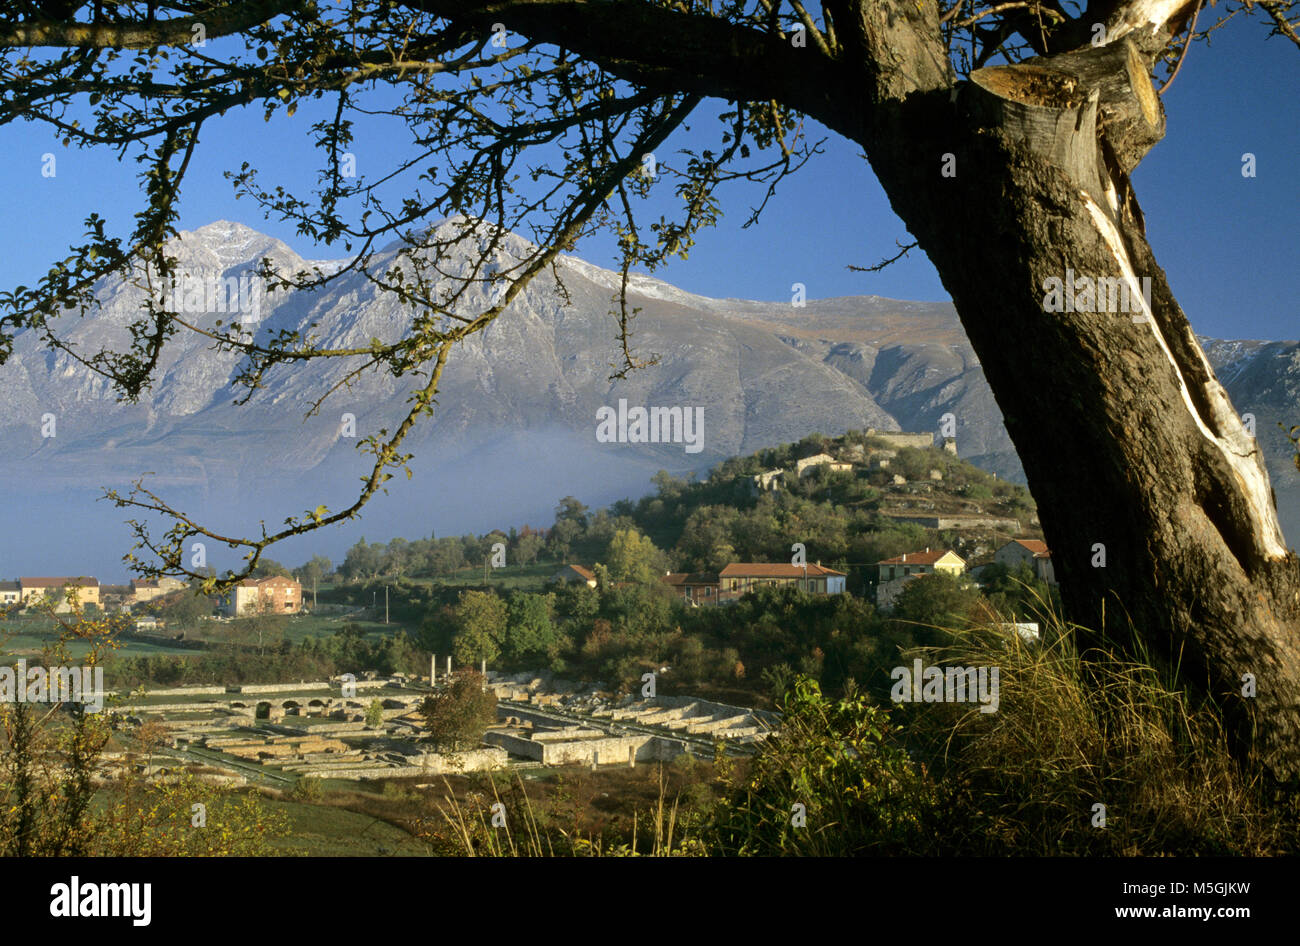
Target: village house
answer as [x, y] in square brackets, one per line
[893, 573]
[143, 590]
[695, 588]
[35, 589]
[575, 573]
[808, 464]
[740, 578]
[275, 595]
[10, 593]
[1031, 552]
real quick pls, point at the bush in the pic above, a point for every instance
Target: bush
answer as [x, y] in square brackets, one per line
[936, 601]
[860, 792]
[307, 788]
[461, 712]
[185, 817]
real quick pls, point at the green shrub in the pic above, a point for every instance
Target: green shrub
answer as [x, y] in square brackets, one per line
[308, 788]
[839, 760]
[459, 714]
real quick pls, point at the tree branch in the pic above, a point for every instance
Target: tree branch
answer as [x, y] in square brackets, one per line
[224, 21]
[662, 48]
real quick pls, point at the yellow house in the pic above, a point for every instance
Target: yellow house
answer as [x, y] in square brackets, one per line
[893, 573]
[143, 590]
[10, 593]
[56, 589]
[921, 563]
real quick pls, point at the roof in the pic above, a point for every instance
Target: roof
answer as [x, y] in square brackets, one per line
[145, 583]
[59, 582]
[928, 557]
[690, 578]
[776, 570]
[586, 573]
[8, 586]
[1037, 546]
[270, 579]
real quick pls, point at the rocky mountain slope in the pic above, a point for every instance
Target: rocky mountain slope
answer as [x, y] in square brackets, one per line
[514, 427]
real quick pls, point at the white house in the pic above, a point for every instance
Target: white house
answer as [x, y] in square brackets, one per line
[1028, 630]
[805, 466]
[1031, 552]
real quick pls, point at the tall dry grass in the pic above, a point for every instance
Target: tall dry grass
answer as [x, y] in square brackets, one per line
[1076, 729]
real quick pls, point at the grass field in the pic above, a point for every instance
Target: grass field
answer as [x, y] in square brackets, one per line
[311, 625]
[28, 638]
[329, 831]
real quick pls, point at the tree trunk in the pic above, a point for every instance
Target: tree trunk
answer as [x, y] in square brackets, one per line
[1153, 498]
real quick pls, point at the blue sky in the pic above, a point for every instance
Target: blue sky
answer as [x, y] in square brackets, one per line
[1229, 243]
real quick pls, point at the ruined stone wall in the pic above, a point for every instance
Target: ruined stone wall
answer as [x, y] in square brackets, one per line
[902, 439]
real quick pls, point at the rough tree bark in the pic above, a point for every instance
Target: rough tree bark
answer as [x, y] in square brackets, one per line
[1130, 444]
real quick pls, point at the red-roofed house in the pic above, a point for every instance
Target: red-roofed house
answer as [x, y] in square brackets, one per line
[575, 573]
[1031, 552]
[740, 578]
[694, 587]
[274, 595]
[893, 573]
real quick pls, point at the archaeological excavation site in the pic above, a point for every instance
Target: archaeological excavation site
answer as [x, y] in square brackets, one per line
[273, 735]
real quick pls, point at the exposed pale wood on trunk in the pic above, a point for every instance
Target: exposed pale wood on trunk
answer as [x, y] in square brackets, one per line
[1229, 436]
[1147, 20]
[1128, 441]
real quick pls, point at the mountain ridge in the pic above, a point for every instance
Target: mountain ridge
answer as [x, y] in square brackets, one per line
[765, 373]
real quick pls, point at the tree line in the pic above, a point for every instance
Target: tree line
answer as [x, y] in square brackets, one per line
[704, 524]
